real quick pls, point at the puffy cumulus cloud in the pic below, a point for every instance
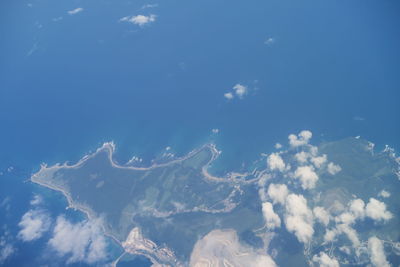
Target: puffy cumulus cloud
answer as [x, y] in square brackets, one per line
[278, 193]
[307, 176]
[357, 207]
[302, 230]
[333, 168]
[278, 146]
[319, 161]
[384, 194]
[301, 157]
[325, 261]
[272, 219]
[301, 139]
[75, 11]
[330, 235]
[321, 215]
[299, 218]
[81, 242]
[228, 95]
[357, 210]
[33, 224]
[275, 162]
[346, 218]
[240, 90]
[222, 247]
[376, 210]
[377, 253]
[140, 20]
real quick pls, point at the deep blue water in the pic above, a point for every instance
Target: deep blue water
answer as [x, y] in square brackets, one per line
[91, 79]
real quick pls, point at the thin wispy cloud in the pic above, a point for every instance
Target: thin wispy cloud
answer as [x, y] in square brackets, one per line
[358, 118]
[36, 200]
[75, 11]
[57, 19]
[269, 41]
[33, 49]
[149, 6]
[6, 251]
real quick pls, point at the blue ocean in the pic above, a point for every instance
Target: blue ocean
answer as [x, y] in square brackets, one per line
[69, 83]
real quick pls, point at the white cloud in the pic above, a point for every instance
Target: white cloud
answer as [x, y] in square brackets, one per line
[313, 150]
[321, 215]
[37, 200]
[301, 157]
[376, 210]
[5, 203]
[345, 249]
[149, 6]
[330, 235]
[350, 233]
[325, 261]
[33, 225]
[384, 194]
[57, 19]
[377, 253]
[269, 41]
[228, 96]
[301, 139]
[240, 90]
[357, 207]
[278, 146]
[6, 250]
[272, 219]
[75, 11]
[275, 162]
[319, 161]
[140, 20]
[299, 218]
[346, 218]
[278, 193]
[81, 242]
[358, 118]
[333, 168]
[356, 211]
[307, 176]
[215, 131]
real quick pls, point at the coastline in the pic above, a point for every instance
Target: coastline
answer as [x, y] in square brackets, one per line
[109, 148]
